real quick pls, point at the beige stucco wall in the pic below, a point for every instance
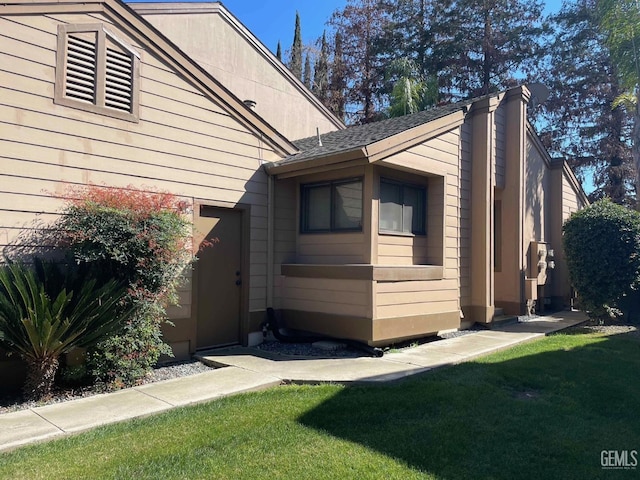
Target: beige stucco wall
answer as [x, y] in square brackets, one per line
[184, 142]
[224, 48]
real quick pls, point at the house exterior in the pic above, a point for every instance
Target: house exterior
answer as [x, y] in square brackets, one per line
[384, 232]
[461, 220]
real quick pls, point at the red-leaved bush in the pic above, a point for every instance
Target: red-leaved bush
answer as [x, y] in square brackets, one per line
[142, 238]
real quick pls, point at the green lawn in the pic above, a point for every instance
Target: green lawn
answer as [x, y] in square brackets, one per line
[542, 410]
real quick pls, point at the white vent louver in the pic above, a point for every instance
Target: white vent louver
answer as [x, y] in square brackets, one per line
[81, 69]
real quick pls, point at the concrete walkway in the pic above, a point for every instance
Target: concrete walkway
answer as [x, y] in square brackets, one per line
[247, 369]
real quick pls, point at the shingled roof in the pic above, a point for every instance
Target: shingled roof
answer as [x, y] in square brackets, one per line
[362, 135]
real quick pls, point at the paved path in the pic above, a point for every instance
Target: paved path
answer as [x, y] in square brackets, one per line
[244, 371]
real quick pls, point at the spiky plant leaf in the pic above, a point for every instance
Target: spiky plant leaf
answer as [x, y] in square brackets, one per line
[46, 310]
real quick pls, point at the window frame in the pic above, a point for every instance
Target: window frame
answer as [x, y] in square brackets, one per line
[332, 184]
[103, 37]
[423, 197]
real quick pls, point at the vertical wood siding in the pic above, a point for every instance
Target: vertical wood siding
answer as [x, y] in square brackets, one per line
[499, 143]
[465, 214]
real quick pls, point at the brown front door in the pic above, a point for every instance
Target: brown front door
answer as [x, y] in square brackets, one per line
[218, 277]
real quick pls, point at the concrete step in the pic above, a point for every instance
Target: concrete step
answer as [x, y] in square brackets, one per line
[498, 312]
[502, 320]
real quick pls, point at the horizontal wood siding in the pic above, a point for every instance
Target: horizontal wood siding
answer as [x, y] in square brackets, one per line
[570, 201]
[402, 250]
[340, 297]
[439, 159]
[331, 248]
[184, 142]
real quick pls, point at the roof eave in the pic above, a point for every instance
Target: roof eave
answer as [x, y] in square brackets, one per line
[373, 152]
[331, 161]
[401, 141]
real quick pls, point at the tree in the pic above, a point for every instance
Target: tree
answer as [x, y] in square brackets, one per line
[411, 92]
[279, 51]
[473, 47]
[295, 61]
[360, 23]
[577, 122]
[307, 74]
[610, 233]
[321, 72]
[337, 98]
[620, 21]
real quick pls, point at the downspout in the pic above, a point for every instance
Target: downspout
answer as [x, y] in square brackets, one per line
[270, 246]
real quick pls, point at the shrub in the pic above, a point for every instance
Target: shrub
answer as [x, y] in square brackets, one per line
[602, 246]
[46, 311]
[139, 237]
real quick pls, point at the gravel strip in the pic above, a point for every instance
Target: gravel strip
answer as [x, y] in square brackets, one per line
[12, 401]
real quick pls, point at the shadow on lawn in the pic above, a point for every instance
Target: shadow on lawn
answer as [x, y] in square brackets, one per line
[545, 415]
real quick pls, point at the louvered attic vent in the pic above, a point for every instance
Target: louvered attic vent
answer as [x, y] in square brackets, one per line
[100, 72]
[81, 69]
[118, 82]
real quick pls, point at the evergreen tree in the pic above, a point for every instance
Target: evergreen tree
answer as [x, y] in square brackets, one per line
[295, 62]
[337, 99]
[321, 71]
[620, 22]
[279, 51]
[473, 47]
[360, 24]
[577, 122]
[307, 74]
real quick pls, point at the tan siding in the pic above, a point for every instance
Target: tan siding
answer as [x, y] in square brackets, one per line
[184, 142]
[570, 200]
[340, 297]
[500, 146]
[438, 156]
[537, 178]
[243, 70]
[398, 299]
[398, 250]
[405, 310]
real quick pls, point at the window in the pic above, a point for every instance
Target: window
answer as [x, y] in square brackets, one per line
[96, 72]
[402, 208]
[332, 206]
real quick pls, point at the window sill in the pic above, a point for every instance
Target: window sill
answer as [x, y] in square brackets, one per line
[381, 273]
[400, 234]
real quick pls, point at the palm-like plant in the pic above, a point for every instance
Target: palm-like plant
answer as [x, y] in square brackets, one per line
[45, 311]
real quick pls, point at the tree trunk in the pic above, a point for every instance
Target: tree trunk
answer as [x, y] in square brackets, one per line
[41, 373]
[635, 148]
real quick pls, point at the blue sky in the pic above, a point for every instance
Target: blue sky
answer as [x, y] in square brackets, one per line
[273, 20]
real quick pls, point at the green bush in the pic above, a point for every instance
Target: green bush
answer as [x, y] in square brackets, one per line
[602, 246]
[141, 238]
[47, 310]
